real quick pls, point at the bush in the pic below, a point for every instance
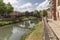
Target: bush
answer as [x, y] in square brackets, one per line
[43, 13]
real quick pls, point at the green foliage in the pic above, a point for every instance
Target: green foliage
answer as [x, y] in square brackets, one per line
[9, 8]
[5, 8]
[1, 0]
[35, 12]
[36, 32]
[2, 7]
[3, 23]
[43, 13]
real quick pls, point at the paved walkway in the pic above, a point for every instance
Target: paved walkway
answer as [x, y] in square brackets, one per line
[55, 26]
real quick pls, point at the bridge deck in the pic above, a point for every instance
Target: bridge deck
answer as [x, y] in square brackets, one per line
[55, 26]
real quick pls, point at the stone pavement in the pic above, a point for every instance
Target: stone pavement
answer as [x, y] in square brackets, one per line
[55, 26]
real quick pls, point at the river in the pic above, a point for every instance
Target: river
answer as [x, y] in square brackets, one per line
[14, 32]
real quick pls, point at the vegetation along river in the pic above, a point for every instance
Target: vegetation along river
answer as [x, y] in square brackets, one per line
[15, 31]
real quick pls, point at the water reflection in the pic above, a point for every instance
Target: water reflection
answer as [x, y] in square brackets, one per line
[15, 32]
[27, 24]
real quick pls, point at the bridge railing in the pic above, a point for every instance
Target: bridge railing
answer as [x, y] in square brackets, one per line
[48, 32]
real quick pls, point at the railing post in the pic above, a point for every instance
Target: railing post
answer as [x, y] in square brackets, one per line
[48, 32]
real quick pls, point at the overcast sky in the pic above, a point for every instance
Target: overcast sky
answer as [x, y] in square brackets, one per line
[28, 5]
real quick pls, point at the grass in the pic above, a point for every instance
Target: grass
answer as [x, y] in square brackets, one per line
[28, 18]
[3, 23]
[36, 33]
[8, 22]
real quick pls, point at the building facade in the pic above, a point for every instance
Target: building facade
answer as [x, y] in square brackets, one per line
[58, 9]
[55, 9]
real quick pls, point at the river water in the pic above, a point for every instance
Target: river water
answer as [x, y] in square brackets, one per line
[14, 32]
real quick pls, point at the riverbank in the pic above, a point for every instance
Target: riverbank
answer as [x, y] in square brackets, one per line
[36, 33]
[15, 32]
[9, 22]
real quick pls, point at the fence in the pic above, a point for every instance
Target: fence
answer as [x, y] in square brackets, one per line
[48, 32]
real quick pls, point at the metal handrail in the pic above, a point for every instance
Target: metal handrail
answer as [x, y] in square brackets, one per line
[49, 33]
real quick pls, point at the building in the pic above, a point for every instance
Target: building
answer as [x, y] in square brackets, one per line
[55, 9]
[51, 8]
[58, 9]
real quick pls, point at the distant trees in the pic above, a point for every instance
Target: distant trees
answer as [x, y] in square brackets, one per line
[27, 13]
[9, 8]
[35, 12]
[39, 14]
[2, 7]
[5, 8]
[43, 13]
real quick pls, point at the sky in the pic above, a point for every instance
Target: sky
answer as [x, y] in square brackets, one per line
[28, 5]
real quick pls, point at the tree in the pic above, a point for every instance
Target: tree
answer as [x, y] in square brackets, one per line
[43, 13]
[1, 0]
[9, 8]
[5, 8]
[27, 13]
[35, 12]
[2, 7]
